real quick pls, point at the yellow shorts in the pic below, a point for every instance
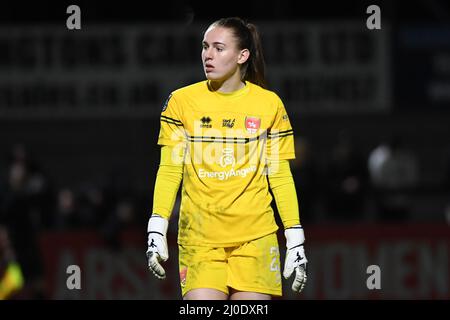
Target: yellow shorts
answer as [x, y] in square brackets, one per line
[253, 267]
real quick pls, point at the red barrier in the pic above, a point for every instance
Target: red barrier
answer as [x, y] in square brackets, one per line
[413, 261]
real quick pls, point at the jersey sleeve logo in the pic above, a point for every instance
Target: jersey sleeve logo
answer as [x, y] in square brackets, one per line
[164, 108]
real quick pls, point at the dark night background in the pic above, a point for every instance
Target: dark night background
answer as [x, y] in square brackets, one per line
[76, 167]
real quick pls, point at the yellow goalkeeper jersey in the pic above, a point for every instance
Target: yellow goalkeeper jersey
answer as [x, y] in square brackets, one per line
[227, 140]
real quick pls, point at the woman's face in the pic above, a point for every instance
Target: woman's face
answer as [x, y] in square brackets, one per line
[220, 55]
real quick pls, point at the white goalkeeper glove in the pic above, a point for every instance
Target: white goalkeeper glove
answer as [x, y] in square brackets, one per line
[157, 245]
[295, 257]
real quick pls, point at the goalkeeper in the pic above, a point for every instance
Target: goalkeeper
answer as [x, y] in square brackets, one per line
[228, 139]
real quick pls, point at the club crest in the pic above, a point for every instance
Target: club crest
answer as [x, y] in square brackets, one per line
[252, 124]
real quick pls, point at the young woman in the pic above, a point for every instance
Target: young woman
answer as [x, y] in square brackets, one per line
[229, 140]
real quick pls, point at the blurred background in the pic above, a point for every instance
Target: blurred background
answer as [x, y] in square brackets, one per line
[79, 121]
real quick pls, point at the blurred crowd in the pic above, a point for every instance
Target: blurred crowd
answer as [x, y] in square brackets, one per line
[346, 186]
[31, 204]
[384, 184]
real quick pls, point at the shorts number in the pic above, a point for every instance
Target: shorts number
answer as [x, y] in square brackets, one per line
[274, 266]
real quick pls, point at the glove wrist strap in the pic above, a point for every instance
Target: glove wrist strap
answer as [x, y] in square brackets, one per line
[158, 224]
[294, 236]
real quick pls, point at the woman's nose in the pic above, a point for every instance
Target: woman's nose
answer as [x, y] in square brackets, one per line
[208, 54]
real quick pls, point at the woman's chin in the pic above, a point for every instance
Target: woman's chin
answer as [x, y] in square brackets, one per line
[212, 77]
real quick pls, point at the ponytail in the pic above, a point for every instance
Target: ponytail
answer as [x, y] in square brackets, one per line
[253, 70]
[256, 69]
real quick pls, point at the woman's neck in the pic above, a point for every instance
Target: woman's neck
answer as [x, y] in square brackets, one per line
[230, 85]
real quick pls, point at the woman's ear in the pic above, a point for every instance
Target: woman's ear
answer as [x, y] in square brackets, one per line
[243, 56]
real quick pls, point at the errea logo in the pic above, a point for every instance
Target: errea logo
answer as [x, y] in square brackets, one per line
[206, 122]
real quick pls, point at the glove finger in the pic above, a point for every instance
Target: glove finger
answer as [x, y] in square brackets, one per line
[156, 267]
[300, 279]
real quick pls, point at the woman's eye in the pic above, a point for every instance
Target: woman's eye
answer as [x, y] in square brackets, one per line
[220, 49]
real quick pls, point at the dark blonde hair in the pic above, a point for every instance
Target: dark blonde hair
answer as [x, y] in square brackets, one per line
[247, 36]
